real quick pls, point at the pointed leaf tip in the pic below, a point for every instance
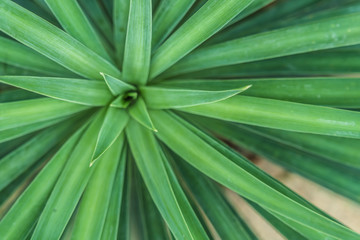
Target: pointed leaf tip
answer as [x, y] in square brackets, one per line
[116, 86]
[159, 97]
[139, 112]
[114, 122]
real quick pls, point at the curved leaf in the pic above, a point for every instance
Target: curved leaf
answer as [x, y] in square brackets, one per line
[164, 98]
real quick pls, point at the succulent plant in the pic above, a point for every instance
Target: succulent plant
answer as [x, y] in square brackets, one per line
[127, 119]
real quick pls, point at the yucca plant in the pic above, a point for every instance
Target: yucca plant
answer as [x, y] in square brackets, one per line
[114, 116]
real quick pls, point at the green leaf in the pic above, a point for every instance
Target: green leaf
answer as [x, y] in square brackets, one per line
[94, 204]
[74, 21]
[138, 43]
[114, 123]
[52, 42]
[332, 175]
[211, 162]
[13, 94]
[344, 151]
[116, 86]
[16, 132]
[111, 225]
[80, 91]
[334, 61]
[21, 113]
[284, 229]
[21, 217]
[70, 185]
[227, 223]
[156, 227]
[17, 161]
[120, 19]
[16, 54]
[283, 115]
[139, 112]
[99, 18]
[342, 92]
[211, 17]
[123, 101]
[279, 12]
[234, 156]
[308, 37]
[160, 185]
[168, 14]
[163, 98]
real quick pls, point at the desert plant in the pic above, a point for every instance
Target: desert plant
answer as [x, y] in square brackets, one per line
[114, 116]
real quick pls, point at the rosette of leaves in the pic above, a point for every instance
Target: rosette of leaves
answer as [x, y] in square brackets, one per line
[113, 115]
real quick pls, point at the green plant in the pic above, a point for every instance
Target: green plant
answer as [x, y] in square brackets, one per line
[112, 112]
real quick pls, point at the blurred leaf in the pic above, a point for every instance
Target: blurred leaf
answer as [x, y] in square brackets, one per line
[94, 204]
[70, 185]
[22, 216]
[74, 21]
[50, 41]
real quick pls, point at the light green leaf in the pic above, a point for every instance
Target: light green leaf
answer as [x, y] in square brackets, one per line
[211, 162]
[120, 19]
[111, 225]
[116, 86]
[211, 17]
[138, 43]
[21, 217]
[168, 14]
[95, 201]
[164, 98]
[114, 123]
[308, 37]
[70, 185]
[144, 146]
[342, 92]
[139, 112]
[16, 54]
[21, 113]
[16, 132]
[80, 91]
[74, 21]
[283, 115]
[50, 41]
[19, 160]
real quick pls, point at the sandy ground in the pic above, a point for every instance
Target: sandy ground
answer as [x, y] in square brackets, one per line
[337, 206]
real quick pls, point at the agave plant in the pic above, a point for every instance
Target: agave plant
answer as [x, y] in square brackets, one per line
[122, 119]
